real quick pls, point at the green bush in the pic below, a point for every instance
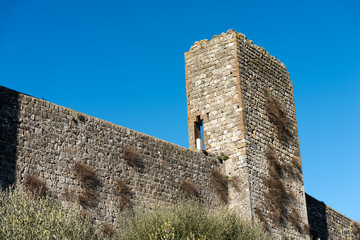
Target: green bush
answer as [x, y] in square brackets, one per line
[25, 216]
[188, 221]
[28, 217]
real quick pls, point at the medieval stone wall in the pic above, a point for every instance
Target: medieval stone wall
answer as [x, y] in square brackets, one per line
[213, 95]
[272, 143]
[244, 98]
[47, 141]
[240, 91]
[326, 223]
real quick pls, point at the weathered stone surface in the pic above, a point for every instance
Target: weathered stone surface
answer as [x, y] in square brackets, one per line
[244, 98]
[227, 79]
[42, 139]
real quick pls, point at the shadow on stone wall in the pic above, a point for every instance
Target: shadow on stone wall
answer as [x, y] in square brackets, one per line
[9, 112]
[317, 218]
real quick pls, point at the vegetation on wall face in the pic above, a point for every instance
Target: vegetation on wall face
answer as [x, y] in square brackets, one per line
[132, 158]
[88, 198]
[189, 190]
[356, 229]
[85, 174]
[279, 199]
[277, 117]
[220, 184]
[124, 192]
[35, 186]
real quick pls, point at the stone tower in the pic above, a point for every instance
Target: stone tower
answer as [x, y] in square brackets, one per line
[243, 99]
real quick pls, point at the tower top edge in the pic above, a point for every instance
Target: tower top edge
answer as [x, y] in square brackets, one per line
[230, 35]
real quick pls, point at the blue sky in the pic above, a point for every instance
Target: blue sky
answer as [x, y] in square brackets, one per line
[123, 61]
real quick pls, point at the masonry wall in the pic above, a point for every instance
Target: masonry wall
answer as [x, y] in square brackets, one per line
[214, 96]
[45, 140]
[326, 223]
[272, 144]
[230, 84]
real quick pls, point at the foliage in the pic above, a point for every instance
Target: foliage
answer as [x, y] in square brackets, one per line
[188, 220]
[28, 217]
[35, 186]
[189, 189]
[220, 184]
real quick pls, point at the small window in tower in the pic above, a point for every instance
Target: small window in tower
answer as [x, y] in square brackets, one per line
[199, 134]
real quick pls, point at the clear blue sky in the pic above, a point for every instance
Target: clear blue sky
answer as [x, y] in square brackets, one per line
[123, 61]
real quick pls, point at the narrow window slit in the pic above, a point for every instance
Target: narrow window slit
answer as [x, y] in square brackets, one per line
[199, 134]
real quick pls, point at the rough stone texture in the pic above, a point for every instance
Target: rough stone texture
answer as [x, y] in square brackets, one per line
[45, 140]
[226, 81]
[326, 223]
[229, 82]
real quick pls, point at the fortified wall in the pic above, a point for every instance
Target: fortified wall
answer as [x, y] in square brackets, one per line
[240, 104]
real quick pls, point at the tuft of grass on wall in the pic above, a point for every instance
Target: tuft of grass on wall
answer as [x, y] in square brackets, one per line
[108, 230]
[189, 189]
[86, 175]
[220, 184]
[88, 198]
[279, 199]
[355, 227]
[124, 193]
[277, 117]
[132, 158]
[35, 186]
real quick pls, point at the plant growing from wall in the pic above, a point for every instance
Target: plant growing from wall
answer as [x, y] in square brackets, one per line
[81, 118]
[355, 227]
[279, 199]
[234, 182]
[85, 174]
[132, 158]
[222, 157]
[124, 192]
[277, 117]
[108, 230]
[205, 152]
[88, 198]
[189, 190]
[220, 185]
[35, 186]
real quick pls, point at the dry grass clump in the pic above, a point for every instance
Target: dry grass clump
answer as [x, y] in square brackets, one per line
[220, 184]
[35, 186]
[234, 182]
[277, 117]
[88, 198]
[189, 189]
[132, 158]
[124, 192]
[280, 199]
[86, 175]
[294, 218]
[261, 216]
[356, 229]
[294, 168]
[108, 230]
